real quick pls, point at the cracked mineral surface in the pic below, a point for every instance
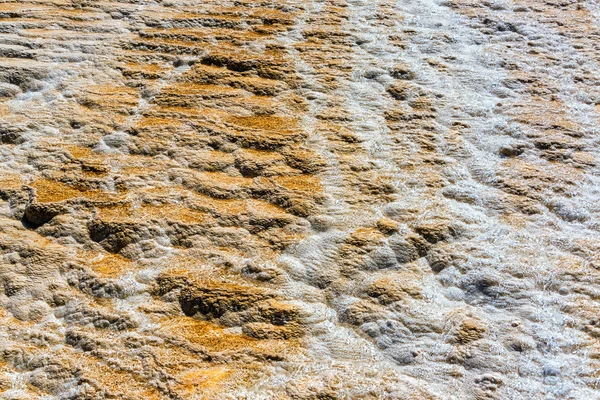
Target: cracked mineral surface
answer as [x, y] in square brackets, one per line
[299, 199]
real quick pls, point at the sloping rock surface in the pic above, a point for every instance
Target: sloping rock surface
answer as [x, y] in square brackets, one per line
[322, 199]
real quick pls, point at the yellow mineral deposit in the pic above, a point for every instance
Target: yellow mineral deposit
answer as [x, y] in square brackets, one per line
[322, 199]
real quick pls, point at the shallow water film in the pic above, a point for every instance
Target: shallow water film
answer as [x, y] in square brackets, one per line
[299, 199]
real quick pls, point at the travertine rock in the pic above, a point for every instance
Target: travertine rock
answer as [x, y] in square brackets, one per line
[341, 199]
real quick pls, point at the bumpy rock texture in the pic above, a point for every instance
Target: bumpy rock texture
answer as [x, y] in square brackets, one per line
[335, 199]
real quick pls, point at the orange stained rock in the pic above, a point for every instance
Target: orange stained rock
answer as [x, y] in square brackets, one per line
[77, 14]
[192, 45]
[201, 270]
[203, 90]
[116, 98]
[207, 204]
[11, 181]
[269, 123]
[79, 152]
[224, 179]
[252, 82]
[148, 71]
[197, 380]
[146, 212]
[216, 338]
[536, 113]
[301, 183]
[146, 67]
[207, 334]
[191, 266]
[151, 122]
[262, 155]
[186, 113]
[20, 6]
[366, 236]
[262, 207]
[195, 33]
[109, 265]
[108, 90]
[51, 191]
[5, 109]
[223, 207]
[263, 105]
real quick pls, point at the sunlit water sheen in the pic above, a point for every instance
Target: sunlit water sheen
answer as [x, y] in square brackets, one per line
[522, 267]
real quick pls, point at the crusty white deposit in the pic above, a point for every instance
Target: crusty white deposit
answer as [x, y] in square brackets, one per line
[335, 199]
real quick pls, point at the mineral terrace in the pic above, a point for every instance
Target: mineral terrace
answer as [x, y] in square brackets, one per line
[299, 199]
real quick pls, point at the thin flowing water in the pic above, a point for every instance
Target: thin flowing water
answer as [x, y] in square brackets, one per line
[340, 199]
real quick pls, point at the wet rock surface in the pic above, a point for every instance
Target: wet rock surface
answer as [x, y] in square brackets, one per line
[299, 199]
